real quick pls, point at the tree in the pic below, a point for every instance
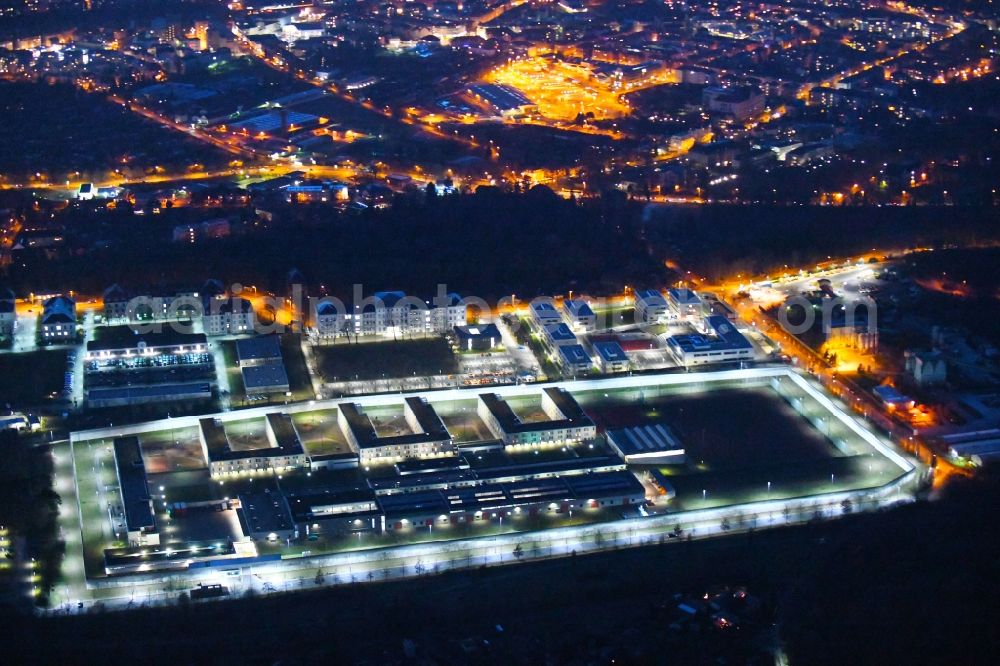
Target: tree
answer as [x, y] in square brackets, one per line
[29, 506]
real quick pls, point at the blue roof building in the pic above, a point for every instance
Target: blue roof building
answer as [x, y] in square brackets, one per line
[574, 358]
[725, 344]
[559, 335]
[611, 357]
[580, 314]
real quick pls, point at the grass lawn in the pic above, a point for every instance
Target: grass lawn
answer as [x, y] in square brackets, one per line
[618, 315]
[744, 445]
[299, 381]
[373, 360]
[320, 433]
[542, 355]
[724, 428]
[30, 378]
[237, 393]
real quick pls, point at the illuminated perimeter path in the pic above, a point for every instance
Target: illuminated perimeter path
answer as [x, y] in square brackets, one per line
[305, 570]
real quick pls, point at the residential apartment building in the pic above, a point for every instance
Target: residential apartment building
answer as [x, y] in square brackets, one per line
[58, 321]
[285, 451]
[581, 316]
[574, 359]
[558, 335]
[650, 307]
[686, 304]
[544, 313]
[567, 421]
[610, 357]
[388, 312]
[448, 313]
[428, 436]
[234, 316]
[131, 306]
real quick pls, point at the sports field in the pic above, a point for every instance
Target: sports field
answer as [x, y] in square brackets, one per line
[378, 360]
[746, 444]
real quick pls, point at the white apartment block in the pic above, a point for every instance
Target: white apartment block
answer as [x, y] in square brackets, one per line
[650, 307]
[686, 305]
[228, 317]
[389, 312]
[580, 315]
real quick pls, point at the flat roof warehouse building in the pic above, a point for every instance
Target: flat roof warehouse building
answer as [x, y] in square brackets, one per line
[124, 341]
[506, 100]
[261, 365]
[137, 503]
[260, 350]
[266, 515]
[488, 501]
[137, 395]
[647, 445]
[265, 379]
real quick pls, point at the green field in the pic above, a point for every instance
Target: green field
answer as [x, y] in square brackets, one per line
[299, 381]
[320, 433]
[31, 378]
[377, 360]
[745, 445]
[237, 394]
[617, 315]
